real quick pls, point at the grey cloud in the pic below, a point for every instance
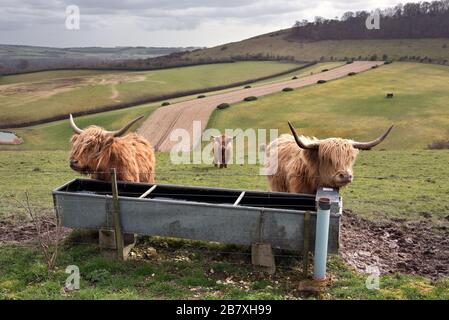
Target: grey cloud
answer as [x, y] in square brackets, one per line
[111, 19]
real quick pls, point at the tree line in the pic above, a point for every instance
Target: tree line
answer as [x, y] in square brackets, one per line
[403, 21]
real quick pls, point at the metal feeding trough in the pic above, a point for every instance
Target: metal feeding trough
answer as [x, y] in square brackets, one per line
[223, 215]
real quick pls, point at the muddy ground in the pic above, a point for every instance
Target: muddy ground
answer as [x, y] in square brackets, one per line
[398, 246]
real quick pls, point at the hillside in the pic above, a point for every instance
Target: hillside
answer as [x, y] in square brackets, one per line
[356, 107]
[51, 95]
[19, 59]
[281, 45]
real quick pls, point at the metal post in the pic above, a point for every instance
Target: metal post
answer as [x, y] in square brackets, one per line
[321, 239]
[306, 245]
[116, 211]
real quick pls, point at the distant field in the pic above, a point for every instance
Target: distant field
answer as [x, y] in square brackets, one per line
[31, 97]
[35, 52]
[55, 135]
[50, 75]
[278, 44]
[356, 107]
[317, 68]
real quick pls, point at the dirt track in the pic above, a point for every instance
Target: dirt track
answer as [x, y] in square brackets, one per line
[158, 126]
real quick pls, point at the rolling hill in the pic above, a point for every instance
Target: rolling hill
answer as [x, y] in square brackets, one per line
[281, 45]
[50, 95]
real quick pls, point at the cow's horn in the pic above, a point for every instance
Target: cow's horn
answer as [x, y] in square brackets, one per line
[300, 142]
[73, 125]
[371, 144]
[120, 132]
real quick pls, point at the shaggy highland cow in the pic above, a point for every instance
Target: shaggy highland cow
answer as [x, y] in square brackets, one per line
[96, 151]
[305, 164]
[222, 150]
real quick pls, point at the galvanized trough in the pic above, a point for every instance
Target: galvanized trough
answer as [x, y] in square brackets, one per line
[198, 213]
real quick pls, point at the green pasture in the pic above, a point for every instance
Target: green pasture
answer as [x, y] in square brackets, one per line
[35, 96]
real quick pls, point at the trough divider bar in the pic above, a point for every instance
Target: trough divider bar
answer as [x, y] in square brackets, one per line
[148, 192]
[306, 245]
[236, 203]
[116, 210]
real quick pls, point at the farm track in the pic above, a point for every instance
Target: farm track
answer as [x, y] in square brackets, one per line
[159, 125]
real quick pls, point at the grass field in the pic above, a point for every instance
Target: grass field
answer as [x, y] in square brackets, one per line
[183, 270]
[29, 98]
[198, 275]
[356, 107]
[55, 135]
[278, 44]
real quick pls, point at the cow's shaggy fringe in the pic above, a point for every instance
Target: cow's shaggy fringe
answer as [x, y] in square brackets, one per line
[98, 152]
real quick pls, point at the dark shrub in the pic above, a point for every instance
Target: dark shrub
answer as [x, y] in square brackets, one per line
[324, 70]
[287, 89]
[223, 105]
[374, 67]
[201, 96]
[439, 145]
[250, 98]
[247, 87]
[321, 81]
[295, 77]
[352, 73]
[349, 62]
[166, 103]
[388, 62]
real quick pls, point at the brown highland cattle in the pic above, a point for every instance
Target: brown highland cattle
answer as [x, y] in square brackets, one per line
[305, 164]
[96, 151]
[222, 150]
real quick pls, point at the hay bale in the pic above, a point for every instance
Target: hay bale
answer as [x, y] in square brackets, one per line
[223, 106]
[250, 98]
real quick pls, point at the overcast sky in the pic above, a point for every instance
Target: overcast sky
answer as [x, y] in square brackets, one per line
[160, 22]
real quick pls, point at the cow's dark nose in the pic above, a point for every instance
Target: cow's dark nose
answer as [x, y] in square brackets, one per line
[345, 177]
[73, 163]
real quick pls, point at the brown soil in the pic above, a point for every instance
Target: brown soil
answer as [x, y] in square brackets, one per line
[398, 246]
[158, 126]
[25, 231]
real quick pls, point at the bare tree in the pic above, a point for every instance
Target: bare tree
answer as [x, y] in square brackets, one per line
[48, 241]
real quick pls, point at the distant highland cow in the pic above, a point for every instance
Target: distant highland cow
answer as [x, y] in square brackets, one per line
[222, 150]
[96, 151]
[305, 164]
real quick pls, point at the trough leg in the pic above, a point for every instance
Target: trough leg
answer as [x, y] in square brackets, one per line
[262, 253]
[262, 257]
[108, 243]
